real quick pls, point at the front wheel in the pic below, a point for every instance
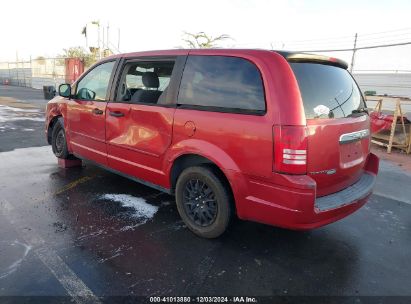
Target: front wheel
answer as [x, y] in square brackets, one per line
[58, 140]
[204, 201]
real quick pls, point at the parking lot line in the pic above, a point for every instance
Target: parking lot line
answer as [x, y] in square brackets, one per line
[74, 184]
[74, 286]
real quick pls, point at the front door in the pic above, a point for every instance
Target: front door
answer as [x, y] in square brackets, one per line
[86, 114]
[139, 122]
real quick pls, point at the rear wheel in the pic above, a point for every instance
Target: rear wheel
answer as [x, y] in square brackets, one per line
[203, 201]
[58, 140]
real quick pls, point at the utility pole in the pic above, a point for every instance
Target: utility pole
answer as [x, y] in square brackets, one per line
[31, 72]
[98, 37]
[103, 41]
[108, 40]
[98, 40]
[17, 68]
[353, 52]
[118, 41]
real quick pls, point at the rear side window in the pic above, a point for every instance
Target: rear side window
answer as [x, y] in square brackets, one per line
[327, 91]
[222, 83]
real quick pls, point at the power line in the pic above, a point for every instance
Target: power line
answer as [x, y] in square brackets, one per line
[409, 71]
[343, 39]
[322, 39]
[362, 48]
[319, 42]
[390, 31]
[380, 40]
[367, 38]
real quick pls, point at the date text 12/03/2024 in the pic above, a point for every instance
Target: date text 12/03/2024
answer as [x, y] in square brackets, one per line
[239, 299]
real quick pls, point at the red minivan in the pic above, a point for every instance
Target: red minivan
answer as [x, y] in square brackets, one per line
[275, 137]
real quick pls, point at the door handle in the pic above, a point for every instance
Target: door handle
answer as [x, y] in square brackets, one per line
[97, 111]
[116, 114]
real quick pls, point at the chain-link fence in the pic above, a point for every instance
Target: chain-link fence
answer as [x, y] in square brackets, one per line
[40, 72]
[16, 73]
[372, 73]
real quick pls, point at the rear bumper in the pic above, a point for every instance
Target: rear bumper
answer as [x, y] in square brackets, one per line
[293, 203]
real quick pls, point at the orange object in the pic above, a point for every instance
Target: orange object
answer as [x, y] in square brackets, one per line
[74, 68]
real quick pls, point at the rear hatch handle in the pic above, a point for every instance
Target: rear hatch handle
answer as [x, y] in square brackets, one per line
[354, 136]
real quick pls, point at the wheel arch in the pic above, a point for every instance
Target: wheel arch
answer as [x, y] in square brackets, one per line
[188, 160]
[51, 125]
[196, 151]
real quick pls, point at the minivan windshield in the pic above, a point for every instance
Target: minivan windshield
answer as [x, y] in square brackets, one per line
[327, 91]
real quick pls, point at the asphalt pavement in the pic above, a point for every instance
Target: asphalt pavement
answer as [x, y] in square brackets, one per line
[87, 235]
[21, 118]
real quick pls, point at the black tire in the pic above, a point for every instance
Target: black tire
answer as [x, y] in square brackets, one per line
[214, 219]
[58, 140]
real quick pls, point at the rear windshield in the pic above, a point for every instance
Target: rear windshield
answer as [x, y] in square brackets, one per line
[327, 91]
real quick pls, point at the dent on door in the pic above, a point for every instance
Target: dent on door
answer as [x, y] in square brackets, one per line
[137, 141]
[143, 128]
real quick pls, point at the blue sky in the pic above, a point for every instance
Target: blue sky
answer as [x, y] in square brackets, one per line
[34, 28]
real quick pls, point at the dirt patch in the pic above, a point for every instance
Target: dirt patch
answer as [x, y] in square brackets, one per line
[12, 102]
[398, 157]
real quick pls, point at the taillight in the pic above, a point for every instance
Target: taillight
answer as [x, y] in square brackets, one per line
[290, 149]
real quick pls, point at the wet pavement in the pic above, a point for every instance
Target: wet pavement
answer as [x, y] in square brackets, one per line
[87, 232]
[21, 118]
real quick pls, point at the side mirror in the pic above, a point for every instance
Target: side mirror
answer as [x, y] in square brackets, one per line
[65, 90]
[86, 94]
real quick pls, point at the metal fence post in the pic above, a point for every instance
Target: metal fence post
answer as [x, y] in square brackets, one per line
[24, 72]
[54, 72]
[31, 72]
[8, 68]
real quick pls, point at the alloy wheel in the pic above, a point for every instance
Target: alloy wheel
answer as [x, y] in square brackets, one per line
[200, 202]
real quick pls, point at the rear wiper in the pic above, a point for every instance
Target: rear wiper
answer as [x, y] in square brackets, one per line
[358, 111]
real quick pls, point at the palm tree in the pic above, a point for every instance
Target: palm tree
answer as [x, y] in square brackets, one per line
[201, 40]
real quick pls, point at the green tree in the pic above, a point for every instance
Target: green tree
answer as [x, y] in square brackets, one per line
[201, 40]
[41, 60]
[80, 52]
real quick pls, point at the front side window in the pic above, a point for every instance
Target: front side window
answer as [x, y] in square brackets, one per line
[145, 82]
[222, 82]
[95, 84]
